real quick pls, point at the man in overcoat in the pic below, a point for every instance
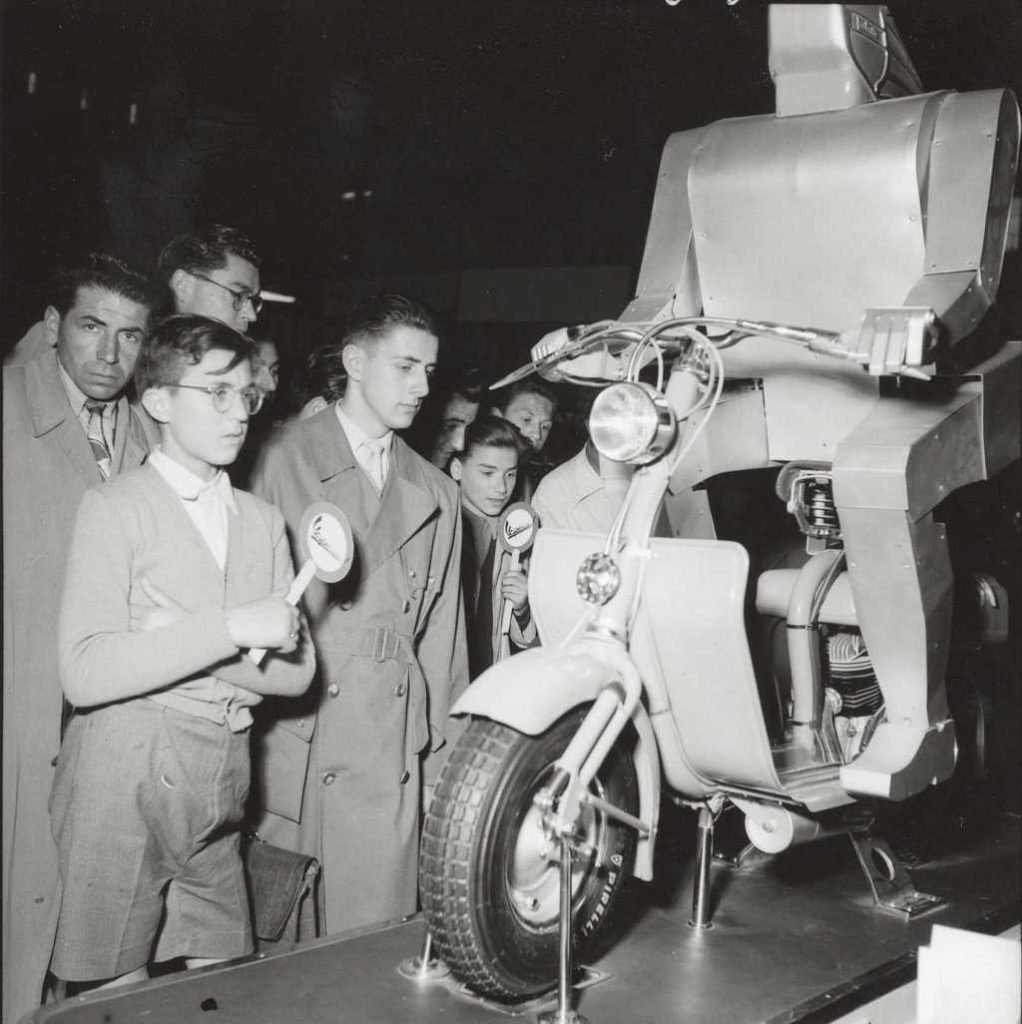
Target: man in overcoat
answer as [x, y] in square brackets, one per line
[74, 388]
[342, 776]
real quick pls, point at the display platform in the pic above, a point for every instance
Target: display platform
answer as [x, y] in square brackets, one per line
[795, 940]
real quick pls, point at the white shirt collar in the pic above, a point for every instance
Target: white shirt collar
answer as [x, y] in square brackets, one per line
[357, 436]
[187, 486]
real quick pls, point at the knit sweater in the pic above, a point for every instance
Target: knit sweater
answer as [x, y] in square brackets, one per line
[135, 526]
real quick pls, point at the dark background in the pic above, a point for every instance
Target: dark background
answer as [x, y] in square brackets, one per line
[472, 134]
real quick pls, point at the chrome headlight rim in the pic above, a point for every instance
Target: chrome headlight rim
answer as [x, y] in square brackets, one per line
[631, 422]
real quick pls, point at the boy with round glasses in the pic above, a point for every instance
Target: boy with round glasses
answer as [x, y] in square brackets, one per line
[172, 575]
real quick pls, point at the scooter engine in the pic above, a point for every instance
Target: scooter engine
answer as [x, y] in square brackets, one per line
[853, 690]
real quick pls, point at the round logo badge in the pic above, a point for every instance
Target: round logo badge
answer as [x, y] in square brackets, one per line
[517, 527]
[326, 537]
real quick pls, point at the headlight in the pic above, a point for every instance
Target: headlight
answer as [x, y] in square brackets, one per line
[631, 422]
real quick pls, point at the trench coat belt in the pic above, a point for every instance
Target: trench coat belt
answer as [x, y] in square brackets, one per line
[380, 643]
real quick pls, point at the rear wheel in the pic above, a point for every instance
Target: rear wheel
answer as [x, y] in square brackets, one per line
[488, 871]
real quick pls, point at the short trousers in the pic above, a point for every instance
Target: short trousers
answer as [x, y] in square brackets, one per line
[145, 809]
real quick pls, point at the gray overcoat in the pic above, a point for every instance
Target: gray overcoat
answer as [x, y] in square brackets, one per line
[47, 466]
[340, 769]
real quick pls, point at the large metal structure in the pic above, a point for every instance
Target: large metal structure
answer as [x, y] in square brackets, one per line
[865, 221]
[848, 207]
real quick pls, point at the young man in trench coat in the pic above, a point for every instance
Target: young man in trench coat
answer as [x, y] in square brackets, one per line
[342, 771]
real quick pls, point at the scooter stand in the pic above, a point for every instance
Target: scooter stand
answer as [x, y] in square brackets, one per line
[425, 966]
[564, 1014]
[889, 882]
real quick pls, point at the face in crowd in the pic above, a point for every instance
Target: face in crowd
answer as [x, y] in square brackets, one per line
[205, 415]
[533, 415]
[459, 412]
[391, 374]
[229, 294]
[267, 366]
[98, 340]
[487, 476]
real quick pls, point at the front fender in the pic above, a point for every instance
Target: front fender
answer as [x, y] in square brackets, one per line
[530, 691]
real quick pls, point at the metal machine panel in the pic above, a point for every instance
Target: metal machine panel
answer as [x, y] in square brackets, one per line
[813, 235]
[812, 219]
[812, 402]
[669, 273]
[912, 453]
[972, 166]
[811, 62]
[734, 438]
[833, 56]
[1001, 377]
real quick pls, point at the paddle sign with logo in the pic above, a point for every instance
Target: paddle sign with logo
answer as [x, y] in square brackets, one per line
[325, 541]
[516, 533]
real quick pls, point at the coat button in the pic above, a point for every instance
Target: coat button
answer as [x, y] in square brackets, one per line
[333, 689]
[328, 778]
[400, 690]
[405, 776]
[344, 605]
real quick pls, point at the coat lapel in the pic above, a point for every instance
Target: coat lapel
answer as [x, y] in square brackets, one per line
[406, 503]
[405, 506]
[52, 414]
[331, 458]
[133, 441]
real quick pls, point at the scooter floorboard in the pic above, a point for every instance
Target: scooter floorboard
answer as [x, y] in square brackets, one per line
[793, 939]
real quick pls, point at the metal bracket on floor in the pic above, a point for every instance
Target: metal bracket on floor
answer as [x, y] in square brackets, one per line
[425, 966]
[890, 883]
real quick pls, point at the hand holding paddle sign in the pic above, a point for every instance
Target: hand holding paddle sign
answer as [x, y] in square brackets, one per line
[516, 532]
[324, 538]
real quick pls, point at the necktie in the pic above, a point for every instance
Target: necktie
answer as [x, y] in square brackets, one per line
[480, 647]
[97, 439]
[373, 463]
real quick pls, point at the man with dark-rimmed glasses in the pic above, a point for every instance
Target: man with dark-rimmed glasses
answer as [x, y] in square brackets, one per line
[213, 272]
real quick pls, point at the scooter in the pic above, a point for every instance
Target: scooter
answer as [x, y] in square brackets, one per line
[877, 213]
[645, 680]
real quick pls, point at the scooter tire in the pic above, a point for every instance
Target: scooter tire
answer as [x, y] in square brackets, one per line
[489, 897]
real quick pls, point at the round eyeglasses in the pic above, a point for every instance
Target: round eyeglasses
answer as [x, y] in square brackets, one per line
[223, 395]
[238, 299]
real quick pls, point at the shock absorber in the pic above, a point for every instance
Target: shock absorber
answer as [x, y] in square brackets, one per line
[820, 511]
[807, 490]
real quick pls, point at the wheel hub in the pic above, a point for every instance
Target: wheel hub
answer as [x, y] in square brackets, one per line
[534, 880]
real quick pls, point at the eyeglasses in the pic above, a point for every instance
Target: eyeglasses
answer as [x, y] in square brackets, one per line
[223, 395]
[238, 299]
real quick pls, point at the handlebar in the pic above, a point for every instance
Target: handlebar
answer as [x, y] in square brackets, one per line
[898, 340]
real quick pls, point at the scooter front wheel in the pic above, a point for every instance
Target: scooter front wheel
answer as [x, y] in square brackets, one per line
[488, 870]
